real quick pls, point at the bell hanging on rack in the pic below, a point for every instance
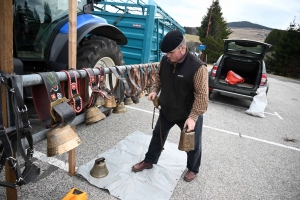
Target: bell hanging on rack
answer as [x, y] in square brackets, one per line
[61, 139]
[120, 108]
[100, 101]
[99, 169]
[93, 114]
[141, 95]
[146, 92]
[128, 101]
[110, 103]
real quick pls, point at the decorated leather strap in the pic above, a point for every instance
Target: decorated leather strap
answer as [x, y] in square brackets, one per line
[137, 76]
[122, 86]
[60, 110]
[135, 89]
[101, 82]
[127, 91]
[74, 96]
[94, 87]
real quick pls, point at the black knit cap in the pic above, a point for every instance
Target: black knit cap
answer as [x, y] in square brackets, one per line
[171, 40]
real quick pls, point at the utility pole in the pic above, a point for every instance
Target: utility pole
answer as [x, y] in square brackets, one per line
[208, 24]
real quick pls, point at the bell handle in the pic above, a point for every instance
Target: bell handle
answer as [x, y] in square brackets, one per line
[185, 130]
[99, 160]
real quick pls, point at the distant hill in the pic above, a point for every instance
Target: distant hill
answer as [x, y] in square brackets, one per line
[240, 30]
[246, 24]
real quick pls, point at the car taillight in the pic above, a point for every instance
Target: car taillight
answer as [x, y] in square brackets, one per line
[214, 71]
[263, 79]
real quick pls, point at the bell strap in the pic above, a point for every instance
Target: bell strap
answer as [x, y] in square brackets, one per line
[137, 77]
[101, 82]
[23, 128]
[94, 87]
[60, 110]
[118, 89]
[144, 76]
[127, 91]
[135, 88]
[74, 96]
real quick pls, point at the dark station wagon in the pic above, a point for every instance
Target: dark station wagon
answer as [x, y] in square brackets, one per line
[245, 58]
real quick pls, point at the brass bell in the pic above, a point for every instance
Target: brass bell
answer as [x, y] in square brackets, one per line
[128, 101]
[93, 114]
[100, 101]
[110, 103]
[99, 169]
[120, 108]
[187, 140]
[146, 92]
[141, 95]
[61, 139]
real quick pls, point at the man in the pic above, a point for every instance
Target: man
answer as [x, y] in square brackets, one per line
[182, 81]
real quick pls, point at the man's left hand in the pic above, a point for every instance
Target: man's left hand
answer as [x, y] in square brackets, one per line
[190, 124]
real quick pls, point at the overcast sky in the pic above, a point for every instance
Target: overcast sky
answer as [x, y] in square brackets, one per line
[271, 13]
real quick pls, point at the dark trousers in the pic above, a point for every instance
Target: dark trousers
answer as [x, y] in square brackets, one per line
[164, 126]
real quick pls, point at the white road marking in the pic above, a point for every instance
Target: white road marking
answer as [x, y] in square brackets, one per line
[65, 166]
[51, 160]
[253, 138]
[275, 113]
[278, 115]
[233, 133]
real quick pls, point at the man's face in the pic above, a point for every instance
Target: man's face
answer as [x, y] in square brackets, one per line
[176, 55]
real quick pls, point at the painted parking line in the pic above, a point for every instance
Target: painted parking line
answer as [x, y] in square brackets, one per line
[230, 132]
[51, 160]
[274, 114]
[65, 166]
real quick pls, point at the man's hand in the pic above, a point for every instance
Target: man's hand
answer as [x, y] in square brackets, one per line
[190, 124]
[151, 96]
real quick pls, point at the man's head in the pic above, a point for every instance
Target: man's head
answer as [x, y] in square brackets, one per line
[174, 45]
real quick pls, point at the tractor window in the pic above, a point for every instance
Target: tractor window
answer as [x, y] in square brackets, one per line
[35, 24]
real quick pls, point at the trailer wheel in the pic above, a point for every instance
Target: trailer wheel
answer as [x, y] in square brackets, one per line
[97, 50]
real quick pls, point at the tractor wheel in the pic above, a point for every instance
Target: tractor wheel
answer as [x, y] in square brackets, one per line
[101, 51]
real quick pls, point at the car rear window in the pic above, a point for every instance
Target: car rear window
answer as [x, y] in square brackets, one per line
[245, 47]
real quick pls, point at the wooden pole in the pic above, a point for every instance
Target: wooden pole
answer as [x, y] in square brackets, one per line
[72, 64]
[6, 64]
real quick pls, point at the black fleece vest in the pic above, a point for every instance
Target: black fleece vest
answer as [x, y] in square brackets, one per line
[177, 87]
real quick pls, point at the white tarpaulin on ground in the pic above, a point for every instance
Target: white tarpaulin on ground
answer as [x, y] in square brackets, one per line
[156, 183]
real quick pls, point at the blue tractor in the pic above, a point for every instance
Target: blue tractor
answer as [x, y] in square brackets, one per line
[41, 37]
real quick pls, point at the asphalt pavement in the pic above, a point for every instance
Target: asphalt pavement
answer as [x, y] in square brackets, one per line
[244, 157]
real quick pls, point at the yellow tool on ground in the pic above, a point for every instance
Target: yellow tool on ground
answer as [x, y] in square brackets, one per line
[76, 194]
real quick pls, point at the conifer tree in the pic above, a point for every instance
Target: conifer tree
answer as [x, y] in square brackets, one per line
[285, 59]
[213, 39]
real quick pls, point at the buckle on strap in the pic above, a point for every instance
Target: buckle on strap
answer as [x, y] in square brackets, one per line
[12, 162]
[61, 111]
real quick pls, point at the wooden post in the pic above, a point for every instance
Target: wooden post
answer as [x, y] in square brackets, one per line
[72, 64]
[6, 64]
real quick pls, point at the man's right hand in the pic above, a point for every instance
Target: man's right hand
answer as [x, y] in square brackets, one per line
[151, 96]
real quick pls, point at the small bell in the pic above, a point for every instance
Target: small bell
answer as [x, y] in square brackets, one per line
[93, 114]
[128, 101]
[120, 108]
[110, 103]
[141, 95]
[146, 92]
[99, 169]
[100, 101]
